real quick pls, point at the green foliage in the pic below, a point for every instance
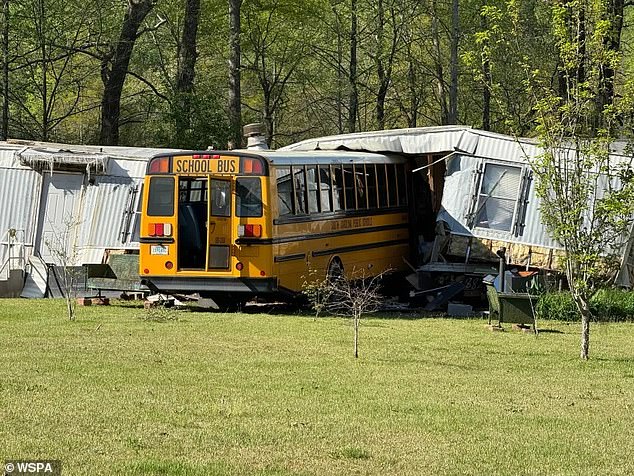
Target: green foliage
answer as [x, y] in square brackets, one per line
[295, 66]
[353, 453]
[557, 306]
[159, 313]
[204, 129]
[317, 291]
[507, 38]
[612, 305]
[607, 305]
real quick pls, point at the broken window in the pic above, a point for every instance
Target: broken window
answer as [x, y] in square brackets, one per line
[284, 191]
[324, 187]
[498, 196]
[311, 183]
[300, 189]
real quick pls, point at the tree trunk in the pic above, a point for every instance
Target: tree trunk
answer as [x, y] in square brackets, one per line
[41, 33]
[582, 301]
[186, 68]
[583, 305]
[5, 71]
[341, 73]
[453, 88]
[356, 335]
[235, 116]
[269, 125]
[488, 82]
[353, 105]
[486, 96]
[114, 69]
[413, 96]
[585, 336]
[441, 90]
[612, 43]
[380, 68]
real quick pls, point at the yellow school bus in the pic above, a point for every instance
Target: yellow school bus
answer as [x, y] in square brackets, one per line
[239, 224]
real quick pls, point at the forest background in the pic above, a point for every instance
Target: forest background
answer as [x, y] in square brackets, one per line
[189, 73]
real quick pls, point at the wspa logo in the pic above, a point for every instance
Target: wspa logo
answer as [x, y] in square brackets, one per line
[29, 467]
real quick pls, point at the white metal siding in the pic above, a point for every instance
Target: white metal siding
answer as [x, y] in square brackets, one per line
[103, 208]
[19, 200]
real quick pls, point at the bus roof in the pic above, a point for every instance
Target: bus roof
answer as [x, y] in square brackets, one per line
[285, 158]
[322, 157]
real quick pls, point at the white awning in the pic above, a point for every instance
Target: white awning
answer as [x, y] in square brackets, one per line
[59, 159]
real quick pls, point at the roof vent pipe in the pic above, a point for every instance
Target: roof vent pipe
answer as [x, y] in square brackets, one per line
[254, 136]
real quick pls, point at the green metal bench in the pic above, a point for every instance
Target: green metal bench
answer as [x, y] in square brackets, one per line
[120, 273]
[513, 308]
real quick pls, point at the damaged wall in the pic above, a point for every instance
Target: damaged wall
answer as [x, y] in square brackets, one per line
[480, 215]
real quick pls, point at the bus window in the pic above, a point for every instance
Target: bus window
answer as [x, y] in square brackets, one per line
[362, 195]
[161, 197]
[324, 187]
[348, 180]
[370, 173]
[391, 185]
[300, 190]
[220, 198]
[248, 197]
[192, 190]
[338, 188]
[402, 184]
[284, 191]
[382, 184]
[311, 184]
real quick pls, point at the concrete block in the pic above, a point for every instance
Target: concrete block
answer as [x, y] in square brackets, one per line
[459, 310]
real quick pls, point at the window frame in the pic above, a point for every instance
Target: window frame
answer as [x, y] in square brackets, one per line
[225, 181]
[392, 194]
[238, 205]
[291, 212]
[154, 179]
[316, 182]
[347, 176]
[477, 207]
[375, 187]
[348, 207]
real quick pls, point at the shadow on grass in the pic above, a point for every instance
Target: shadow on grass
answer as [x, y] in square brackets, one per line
[623, 360]
[297, 309]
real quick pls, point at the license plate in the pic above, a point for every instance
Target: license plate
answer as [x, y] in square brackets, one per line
[159, 250]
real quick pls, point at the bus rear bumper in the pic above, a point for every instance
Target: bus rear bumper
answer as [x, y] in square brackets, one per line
[211, 285]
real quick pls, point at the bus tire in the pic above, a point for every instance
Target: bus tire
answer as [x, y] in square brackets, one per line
[229, 304]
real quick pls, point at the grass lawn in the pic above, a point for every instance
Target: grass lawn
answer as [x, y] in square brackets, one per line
[209, 393]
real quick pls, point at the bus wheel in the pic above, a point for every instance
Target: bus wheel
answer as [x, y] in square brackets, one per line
[229, 304]
[335, 270]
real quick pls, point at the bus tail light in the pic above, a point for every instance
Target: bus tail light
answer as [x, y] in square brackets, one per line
[250, 231]
[169, 264]
[159, 229]
[160, 165]
[239, 266]
[252, 166]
